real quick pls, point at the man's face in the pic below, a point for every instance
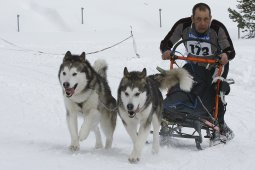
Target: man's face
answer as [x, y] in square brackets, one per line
[201, 20]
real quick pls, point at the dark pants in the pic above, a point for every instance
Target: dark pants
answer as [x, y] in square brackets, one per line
[204, 88]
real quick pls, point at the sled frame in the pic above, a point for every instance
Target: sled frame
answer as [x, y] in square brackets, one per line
[198, 124]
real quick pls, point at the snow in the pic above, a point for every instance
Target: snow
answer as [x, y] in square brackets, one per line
[33, 130]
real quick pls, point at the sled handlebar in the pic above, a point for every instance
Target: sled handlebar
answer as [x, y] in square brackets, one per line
[193, 59]
[216, 54]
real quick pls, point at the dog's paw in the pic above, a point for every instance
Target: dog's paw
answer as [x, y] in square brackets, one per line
[74, 148]
[81, 138]
[155, 149]
[99, 145]
[83, 134]
[133, 160]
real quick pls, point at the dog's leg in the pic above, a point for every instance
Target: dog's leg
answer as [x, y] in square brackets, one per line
[98, 138]
[108, 123]
[72, 123]
[131, 128]
[139, 143]
[90, 122]
[156, 127]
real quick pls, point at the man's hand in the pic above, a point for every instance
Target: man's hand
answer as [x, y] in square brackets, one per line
[223, 58]
[166, 55]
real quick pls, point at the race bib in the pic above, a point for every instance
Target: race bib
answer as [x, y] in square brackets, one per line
[199, 48]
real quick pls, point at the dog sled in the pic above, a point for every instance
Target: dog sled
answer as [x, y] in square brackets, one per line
[188, 110]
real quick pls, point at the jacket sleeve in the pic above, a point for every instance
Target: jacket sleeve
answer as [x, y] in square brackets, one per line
[174, 35]
[225, 41]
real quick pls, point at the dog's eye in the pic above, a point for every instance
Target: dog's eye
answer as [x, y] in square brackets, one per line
[137, 94]
[126, 94]
[64, 73]
[74, 74]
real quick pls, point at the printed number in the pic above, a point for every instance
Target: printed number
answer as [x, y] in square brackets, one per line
[195, 49]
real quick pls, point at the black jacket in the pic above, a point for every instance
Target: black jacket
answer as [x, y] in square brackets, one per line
[217, 34]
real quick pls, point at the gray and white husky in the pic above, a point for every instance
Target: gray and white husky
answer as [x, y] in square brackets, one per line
[140, 104]
[87, 93]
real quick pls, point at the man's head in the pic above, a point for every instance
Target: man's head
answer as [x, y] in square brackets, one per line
[201, 17]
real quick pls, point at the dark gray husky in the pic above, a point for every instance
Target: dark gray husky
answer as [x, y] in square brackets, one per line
[86, 91]
[140, 104]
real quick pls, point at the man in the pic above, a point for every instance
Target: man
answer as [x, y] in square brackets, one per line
[201, 26]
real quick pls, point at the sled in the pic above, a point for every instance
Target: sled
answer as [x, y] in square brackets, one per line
[183, 109]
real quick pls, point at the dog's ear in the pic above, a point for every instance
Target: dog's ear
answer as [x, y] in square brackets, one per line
[68, 56]
[126, 73]
[143, 73]
[83, 57]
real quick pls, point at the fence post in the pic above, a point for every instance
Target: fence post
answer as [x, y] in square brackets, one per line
[160, 23]
[82, 15]
[238, 32]
[18, 22]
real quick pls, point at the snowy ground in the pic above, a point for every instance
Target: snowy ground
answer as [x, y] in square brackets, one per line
[33, 131]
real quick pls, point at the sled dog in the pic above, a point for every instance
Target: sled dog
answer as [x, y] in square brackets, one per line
[140, 104]
[86, 93]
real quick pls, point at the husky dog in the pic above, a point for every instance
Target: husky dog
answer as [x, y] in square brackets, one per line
[140, 103]
[87, 93]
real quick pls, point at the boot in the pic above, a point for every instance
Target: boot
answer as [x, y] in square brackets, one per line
[217, 138]
[226, 131]
[164, 135]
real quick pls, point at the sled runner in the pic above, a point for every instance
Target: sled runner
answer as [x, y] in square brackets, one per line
[194, 110]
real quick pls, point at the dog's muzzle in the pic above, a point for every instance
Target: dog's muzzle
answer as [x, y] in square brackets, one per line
[131, 112]
[70, 91]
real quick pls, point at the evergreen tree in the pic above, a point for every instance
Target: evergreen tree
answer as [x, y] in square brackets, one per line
[245, 18]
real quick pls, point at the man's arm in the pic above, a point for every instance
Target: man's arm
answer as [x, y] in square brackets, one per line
[174, 35]
[225, 41]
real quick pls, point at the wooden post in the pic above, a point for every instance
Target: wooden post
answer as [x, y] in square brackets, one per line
[160, 23]
[18, 22]
[82, 15]
[238, 32]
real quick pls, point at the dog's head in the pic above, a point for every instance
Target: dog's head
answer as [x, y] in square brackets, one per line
[71, 74]
[133, 91]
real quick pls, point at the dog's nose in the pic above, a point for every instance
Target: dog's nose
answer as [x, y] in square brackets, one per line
[66, 84]
[130, 106]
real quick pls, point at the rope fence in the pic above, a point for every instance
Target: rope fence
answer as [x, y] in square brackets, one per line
[89, 53]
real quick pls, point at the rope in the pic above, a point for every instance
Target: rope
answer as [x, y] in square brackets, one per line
[206, 109]
[94, 52]
[23, 49]
[110, 46]
[134, 44]
[109, 109]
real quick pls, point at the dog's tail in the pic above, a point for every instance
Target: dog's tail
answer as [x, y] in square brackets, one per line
[100, 67]
[170, 78]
